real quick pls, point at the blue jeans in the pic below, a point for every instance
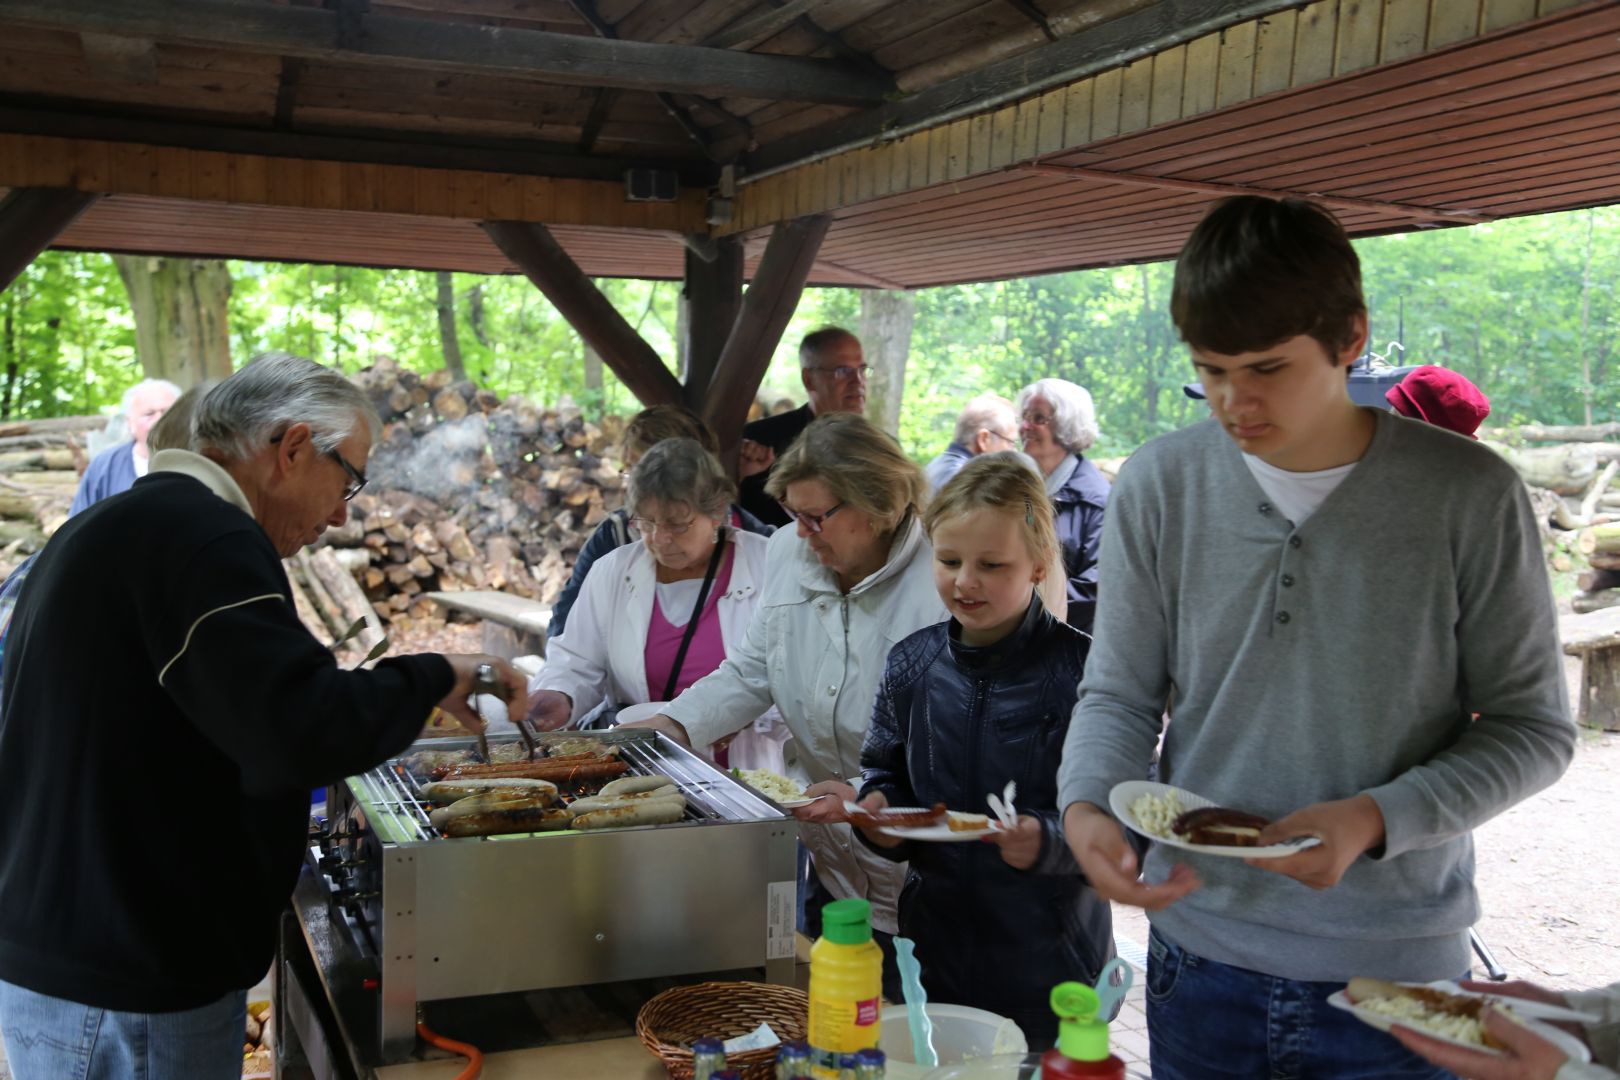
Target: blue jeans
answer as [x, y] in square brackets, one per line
[1213, 1021]
[48, 1038]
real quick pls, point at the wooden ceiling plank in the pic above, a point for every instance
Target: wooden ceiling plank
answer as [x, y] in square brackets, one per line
[1168, 79]
[900, 19]
[1500, 13]
[1406, 28]
[1451, 22]
[939, 36]
[311, 33]
[1274, 52]
[1239, 45]
[31, 218]
[1317, 31]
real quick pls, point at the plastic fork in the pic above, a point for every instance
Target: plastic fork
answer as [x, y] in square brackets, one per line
[1002, 807]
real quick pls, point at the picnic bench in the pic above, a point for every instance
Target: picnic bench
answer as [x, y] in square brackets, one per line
[1595, 638]
[513, 625]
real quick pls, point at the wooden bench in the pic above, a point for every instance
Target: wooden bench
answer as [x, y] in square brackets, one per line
[513, 625]
[1595, 638]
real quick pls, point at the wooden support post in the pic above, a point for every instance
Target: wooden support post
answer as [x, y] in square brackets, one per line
[533, 249]
[30, 218]
[713, 295]
[766, 308]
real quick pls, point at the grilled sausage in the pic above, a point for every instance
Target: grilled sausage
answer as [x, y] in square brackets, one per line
[561, 773]
[1218, 826]
[488, 801]
[631, 785]
[520, 820]
[607, 802]
[645, 812]
[898, 819]
[448, 791]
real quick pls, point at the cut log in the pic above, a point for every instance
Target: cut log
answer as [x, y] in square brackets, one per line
[1582, 603]
[24, 507]
[1555, 433]
[1601, 560]
[1603, 539]
[55, 424]
[307, 614]
[346, 592]
[1597, 580]
[1565, 469]
[321, 602]
[32, 460]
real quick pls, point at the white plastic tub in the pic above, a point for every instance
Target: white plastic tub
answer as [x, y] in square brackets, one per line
[961, 1035]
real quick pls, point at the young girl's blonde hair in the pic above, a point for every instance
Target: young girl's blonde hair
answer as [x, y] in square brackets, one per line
[1005, 482]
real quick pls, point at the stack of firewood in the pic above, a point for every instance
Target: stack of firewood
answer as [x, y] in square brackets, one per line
[466, 492]
[1571, 485]
[40, 463]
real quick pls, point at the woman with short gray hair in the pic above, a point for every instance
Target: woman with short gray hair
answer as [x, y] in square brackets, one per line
[656, 615]
[1059, 423]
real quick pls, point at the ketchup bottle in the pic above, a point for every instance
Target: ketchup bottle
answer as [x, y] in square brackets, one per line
[1082, 1046]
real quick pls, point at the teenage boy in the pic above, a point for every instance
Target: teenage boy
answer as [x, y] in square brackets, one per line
[1321, 595]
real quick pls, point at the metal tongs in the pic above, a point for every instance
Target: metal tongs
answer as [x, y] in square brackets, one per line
[485, 682]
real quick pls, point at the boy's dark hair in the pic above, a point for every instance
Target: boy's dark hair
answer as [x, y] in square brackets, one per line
[1258, 271]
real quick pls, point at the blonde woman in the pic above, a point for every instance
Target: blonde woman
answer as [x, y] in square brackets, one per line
[966, 706]
[852, 578]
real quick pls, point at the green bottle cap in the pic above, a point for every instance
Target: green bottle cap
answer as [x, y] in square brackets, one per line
[847, 922]
[1081, 1035]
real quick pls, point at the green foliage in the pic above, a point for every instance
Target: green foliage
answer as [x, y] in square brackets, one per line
[1513, 305]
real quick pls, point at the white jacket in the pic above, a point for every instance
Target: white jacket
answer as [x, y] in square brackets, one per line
[602, 653]
[818, 654]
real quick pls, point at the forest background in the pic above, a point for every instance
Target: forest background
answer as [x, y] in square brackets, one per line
[1526, 308]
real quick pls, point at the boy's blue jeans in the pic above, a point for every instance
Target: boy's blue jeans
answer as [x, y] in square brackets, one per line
[1213, 1021]
[48, 1038]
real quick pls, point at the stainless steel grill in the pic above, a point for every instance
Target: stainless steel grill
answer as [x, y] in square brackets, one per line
[446, 918]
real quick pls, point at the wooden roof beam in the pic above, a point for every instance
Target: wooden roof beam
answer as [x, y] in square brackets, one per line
[712, 294]
[1115, 43]
[403, 42]
[533, 250]
[766, 308]
[1205, 187]
[30, 219]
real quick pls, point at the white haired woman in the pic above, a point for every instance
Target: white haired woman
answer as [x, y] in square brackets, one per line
[1058, 424]
[853, 578]
[655, 616]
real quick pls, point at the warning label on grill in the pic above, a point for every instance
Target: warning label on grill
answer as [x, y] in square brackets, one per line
[781, 907]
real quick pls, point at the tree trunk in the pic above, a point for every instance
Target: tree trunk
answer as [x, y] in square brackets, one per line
[1566, 469]
[182, 324]
[885, 333]
[447, 325]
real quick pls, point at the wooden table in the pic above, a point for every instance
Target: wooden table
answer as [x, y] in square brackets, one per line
[1595, 638]
[513, 625]
[622, 1059]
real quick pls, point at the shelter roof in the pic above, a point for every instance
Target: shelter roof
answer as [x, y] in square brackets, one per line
[950, 140]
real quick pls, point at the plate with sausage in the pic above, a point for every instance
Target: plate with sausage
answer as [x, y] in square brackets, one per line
[935, 823]
[1445, 1011]
[1170, 815]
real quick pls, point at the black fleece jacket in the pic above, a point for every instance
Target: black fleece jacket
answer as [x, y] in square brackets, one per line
[165, 716]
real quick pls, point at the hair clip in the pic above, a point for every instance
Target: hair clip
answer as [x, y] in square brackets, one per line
[1029, 512]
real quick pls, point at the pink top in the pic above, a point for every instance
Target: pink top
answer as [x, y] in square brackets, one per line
[707, 650]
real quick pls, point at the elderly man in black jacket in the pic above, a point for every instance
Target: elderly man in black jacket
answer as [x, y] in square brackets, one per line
[165, 716]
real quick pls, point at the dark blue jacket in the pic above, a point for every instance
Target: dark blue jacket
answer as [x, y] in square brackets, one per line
[952, 724]
[612, 533]
[1080, 504]
[777, 432]
[111, 471]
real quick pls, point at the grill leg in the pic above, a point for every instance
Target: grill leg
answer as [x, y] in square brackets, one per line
[397, 1001]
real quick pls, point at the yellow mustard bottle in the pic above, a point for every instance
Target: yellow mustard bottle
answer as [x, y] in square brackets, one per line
[846, 987]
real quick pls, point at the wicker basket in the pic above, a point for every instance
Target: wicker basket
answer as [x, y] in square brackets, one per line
[668, 1024]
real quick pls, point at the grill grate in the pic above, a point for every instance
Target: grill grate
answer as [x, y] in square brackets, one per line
[389, 793]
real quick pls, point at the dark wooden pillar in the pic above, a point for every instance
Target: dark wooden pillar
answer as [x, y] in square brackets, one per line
[766, 308]
[30, 219]
[712, 296]
[533, 249]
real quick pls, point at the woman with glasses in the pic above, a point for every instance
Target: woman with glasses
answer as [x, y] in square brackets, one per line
[1058, 424]
[853, 577]
[658, 614]
[646, 429]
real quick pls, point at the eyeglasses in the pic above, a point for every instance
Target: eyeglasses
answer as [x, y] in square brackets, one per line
[1038, 419]
[812, 522]
[649, 527]
[357, 479]
[845, 372]
[1008, 439]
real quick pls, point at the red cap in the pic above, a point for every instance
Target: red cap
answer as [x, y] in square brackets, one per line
[1441, 397]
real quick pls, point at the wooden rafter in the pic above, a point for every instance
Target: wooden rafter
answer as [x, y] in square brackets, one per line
[712, 295]
[766, 308]
[404, 42]
[533, 249]
[1034, 15]
[1110, 45]
[30, 219]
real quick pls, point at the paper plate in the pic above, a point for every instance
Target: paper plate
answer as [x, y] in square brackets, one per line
[943, 834]
[1123, 795]
[646, 710]
[1568, 1044]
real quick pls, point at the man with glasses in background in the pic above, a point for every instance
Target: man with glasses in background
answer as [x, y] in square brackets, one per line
[834, 373]
[989, 423]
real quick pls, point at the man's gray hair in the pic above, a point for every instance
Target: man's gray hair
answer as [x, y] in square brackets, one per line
[1074, 417]
[680, 471]
[811, 348]
[243, 413]
[983, 412]
[146, 384]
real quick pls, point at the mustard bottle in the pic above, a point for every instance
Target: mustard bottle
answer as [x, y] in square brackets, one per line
[846, 987]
